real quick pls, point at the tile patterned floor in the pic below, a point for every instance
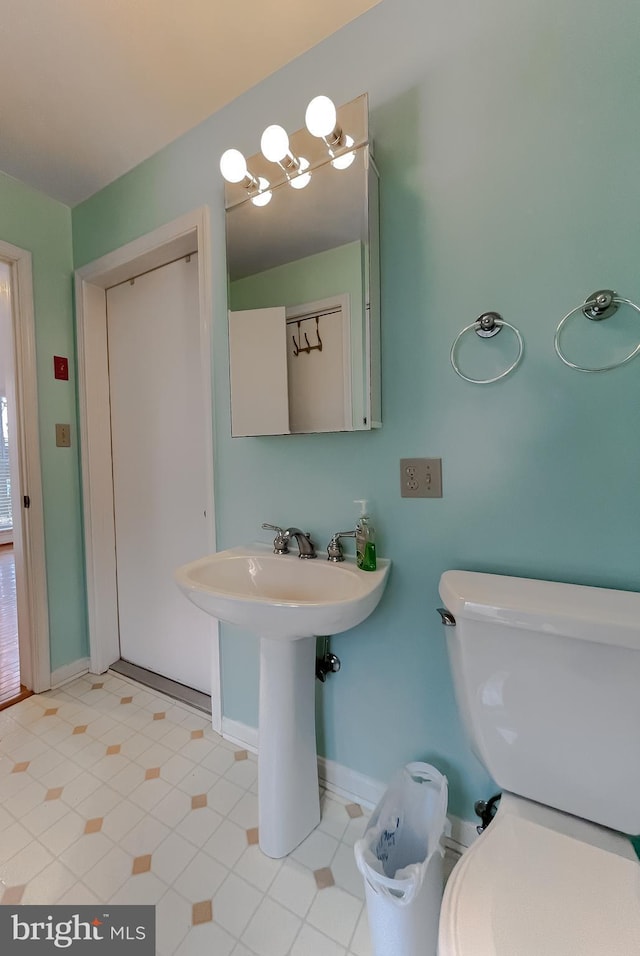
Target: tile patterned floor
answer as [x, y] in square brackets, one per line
[110, 792]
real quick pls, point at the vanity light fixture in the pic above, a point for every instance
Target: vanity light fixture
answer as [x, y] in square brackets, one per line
[233, 167]
[264, 193]
[321, 119]
[275, 147]
[301, 179]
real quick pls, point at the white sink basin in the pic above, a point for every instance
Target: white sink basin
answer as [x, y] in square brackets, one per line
[282, 596]
[287, 601]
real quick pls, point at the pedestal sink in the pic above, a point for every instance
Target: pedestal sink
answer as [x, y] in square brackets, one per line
[287, 602]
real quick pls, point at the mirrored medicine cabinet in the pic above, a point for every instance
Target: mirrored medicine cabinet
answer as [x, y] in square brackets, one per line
[303, 289]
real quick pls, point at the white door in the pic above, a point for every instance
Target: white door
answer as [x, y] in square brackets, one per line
[159, 469]
[258, 372]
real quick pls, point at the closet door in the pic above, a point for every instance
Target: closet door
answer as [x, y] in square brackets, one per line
[159, 469]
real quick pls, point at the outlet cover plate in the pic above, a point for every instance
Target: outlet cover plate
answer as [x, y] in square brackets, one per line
[63, 436]
[421, 477]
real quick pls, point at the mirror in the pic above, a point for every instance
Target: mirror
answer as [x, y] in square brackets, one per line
[303, 288]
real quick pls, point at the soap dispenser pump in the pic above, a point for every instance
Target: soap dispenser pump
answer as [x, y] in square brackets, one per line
[365, 539]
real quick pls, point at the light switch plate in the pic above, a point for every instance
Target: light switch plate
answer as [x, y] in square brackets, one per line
[421, 477]
[63, 436]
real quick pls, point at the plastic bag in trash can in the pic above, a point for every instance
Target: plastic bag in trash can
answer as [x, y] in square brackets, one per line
[400, 857]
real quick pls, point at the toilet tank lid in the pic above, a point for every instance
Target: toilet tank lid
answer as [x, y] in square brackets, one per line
[600, 615]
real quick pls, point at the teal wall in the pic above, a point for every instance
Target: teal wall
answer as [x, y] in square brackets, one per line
[34, 222]
[508, 142]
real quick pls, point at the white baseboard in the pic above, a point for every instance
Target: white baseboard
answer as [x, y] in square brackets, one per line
[349, 784]
[69, 672]
[463, 833]
[242, 734]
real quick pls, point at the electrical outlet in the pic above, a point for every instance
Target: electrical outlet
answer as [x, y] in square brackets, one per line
[63, 436]
[421, 477]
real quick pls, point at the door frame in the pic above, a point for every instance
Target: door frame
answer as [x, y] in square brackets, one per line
[29, 539]
[188, 234]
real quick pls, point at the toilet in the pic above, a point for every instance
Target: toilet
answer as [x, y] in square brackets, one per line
[547, 681]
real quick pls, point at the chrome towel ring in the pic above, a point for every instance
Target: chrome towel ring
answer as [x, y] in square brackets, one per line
[599, 305]
[486, 326]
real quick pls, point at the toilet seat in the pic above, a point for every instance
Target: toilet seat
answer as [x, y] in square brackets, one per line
[542, 883]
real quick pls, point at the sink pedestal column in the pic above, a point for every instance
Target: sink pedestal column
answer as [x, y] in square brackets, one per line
[288, 797]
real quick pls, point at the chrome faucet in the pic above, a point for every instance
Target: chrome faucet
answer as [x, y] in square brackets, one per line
[306, 547]
[281, 541]
[334, 548]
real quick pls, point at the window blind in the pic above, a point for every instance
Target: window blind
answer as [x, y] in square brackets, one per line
[6, 518]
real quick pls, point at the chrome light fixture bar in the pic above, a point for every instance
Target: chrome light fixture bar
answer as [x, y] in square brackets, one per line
[291, 159]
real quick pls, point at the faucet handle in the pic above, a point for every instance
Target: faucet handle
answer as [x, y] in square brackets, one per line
[334, 548]
[280, 540]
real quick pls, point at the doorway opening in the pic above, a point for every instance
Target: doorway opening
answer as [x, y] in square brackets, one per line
[10, 686]
[11, 690]
[24, 630]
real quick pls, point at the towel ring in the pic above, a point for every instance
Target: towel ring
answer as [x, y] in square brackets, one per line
[599, 305]
[486, 326]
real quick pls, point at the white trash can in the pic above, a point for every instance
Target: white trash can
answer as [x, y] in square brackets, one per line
[400, 857]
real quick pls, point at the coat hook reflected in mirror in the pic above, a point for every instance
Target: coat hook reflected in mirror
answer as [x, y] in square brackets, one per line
[319, 345]
[308, 347]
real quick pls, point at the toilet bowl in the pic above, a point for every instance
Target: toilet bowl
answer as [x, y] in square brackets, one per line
[547, 681]
[538, 882]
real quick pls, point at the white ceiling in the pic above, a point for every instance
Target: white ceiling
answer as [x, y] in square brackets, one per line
[91, 88]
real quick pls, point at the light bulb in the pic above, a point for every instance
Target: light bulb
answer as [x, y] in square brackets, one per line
[274, 144]
[265, 194]
[321, 116]
[345, 159]
[302, 179]
[233, 166]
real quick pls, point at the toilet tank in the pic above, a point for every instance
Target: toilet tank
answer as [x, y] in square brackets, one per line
[547, 679]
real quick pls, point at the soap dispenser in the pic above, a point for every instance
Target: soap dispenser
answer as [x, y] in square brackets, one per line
[365, 539]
